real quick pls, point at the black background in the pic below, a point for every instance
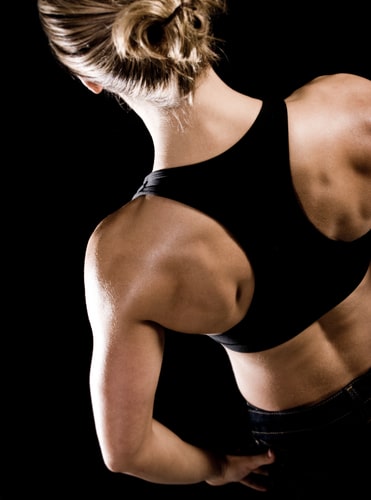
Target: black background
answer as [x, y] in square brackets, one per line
[71, 158]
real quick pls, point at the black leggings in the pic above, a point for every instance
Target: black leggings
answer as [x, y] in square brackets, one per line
[321, 449]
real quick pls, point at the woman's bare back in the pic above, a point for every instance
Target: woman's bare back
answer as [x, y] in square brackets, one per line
[182, 270]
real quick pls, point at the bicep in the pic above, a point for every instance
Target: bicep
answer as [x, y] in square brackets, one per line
[125, 368]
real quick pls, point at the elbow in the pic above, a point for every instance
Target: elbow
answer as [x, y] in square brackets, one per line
[120, 459]
[113, 463]
[117, 462]
[124, 448]
[116, 465]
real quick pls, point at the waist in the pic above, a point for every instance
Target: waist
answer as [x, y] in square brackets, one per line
[304, 370]
[352, 402]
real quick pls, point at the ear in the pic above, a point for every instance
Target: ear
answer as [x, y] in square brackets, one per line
[94, 87]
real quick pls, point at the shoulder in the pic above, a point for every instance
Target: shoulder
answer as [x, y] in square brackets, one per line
[333, 111]
[330, 150]
[134, 260]
[338, 87]
[341, 100]
[109, 246]
[119, 264]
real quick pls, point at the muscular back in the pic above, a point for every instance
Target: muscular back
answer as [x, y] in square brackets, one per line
[157, 263]
[330, 156]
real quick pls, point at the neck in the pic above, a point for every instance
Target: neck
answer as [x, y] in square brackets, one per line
[195, 132]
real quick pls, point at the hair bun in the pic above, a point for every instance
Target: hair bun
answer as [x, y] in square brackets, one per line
[139, 28]
[152, 49]
[159, 29]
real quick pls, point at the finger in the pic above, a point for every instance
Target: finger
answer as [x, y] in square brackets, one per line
[251, 482]
[261, 471]
[257, 461]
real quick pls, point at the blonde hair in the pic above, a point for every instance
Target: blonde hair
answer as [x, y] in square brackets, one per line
[148, 49]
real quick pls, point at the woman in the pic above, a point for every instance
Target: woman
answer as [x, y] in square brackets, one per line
[252, 228]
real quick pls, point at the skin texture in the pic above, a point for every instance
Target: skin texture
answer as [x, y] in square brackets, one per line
[157, 264]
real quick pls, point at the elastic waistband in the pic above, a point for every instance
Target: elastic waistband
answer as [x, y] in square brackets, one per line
[337, 406]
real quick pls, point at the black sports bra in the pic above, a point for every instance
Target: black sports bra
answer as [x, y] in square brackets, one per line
[300, 274]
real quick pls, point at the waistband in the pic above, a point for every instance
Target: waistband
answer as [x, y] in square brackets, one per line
[353, 397]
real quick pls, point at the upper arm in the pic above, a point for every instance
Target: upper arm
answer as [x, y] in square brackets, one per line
[124, 373]
[126, 359]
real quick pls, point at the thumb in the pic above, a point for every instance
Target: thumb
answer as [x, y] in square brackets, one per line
[265, 458]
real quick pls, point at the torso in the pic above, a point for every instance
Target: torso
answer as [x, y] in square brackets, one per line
[207, 294]
[199, 291]
[314, 364]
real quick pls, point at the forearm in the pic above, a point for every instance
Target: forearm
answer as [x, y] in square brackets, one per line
[166, 459]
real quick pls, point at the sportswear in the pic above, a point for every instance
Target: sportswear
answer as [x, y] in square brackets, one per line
[300, 274]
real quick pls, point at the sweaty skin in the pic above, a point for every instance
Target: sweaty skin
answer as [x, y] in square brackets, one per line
[157, 264]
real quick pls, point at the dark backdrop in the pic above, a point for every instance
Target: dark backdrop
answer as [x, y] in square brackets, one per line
[72, 158]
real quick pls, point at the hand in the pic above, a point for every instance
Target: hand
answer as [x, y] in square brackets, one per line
[248, 470]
